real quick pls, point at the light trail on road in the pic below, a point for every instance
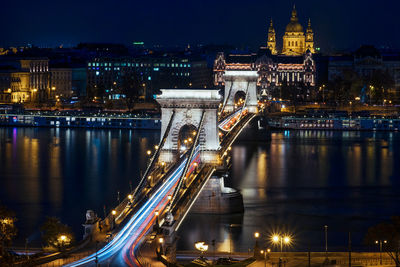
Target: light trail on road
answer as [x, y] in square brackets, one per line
[140, 222]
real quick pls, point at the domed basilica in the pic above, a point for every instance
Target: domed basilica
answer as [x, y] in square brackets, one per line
[292, 66]
[295, 42]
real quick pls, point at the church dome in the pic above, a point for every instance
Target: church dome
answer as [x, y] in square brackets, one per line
[294, 25]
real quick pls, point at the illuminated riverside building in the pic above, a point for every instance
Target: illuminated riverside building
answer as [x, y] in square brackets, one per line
[273, 70]
[293, 66]
[155, 72]
[25, 79]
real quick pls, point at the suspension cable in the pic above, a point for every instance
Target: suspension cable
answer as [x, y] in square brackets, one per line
[192, 149]
[155, 155]
[241, 111]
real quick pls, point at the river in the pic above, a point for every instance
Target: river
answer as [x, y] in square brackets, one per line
[293, 182]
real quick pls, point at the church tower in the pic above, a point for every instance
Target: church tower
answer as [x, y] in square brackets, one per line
[310, 38]
[271, 42]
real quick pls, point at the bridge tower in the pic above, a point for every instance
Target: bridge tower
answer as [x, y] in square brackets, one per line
[244, 81]
[188, 106]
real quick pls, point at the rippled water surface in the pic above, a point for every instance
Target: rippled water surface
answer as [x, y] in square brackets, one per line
[292, 181]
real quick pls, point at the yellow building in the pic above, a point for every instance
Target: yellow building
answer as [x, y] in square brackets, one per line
[20, 89]
[295, 41]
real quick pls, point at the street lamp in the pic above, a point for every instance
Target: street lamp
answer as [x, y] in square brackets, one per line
[380, 242]
[256, 251]
[156, 213]
[113, 213]
[62, 240]
[281, 240]
[162, 167]
[201, 246]
[326, 243]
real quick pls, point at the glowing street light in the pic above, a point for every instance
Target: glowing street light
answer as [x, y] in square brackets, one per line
[113, 212]
[380, 242]
[148, 152]
[201, 246]
[282, 240]
[62, 239]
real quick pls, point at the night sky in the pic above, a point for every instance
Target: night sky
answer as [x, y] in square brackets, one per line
[337, 24]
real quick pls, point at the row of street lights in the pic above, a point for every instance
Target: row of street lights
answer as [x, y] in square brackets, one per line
[277, 239]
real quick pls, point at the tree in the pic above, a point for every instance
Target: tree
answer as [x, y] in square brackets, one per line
[55, 234]
[389, 231]
[131, 87]
[8, 230]
[379, 83]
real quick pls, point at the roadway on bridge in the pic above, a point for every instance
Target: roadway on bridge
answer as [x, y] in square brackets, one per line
[121, 250]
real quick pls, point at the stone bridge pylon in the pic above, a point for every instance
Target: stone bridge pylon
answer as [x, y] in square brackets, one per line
[240, 81]
[188, 106]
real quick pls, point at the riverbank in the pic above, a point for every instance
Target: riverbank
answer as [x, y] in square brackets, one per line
[336, 123]
[81, 120]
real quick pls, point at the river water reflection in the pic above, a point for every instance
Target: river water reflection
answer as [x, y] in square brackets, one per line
[298, 181]
[294, 181]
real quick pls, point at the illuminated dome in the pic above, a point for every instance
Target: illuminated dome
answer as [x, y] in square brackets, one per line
[294, 25]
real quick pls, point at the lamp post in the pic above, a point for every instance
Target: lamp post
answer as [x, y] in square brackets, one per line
[130, 198]
[161, 245]
[281, 240]
[163, 167]
[256, 250]
[202, 247]
[113, 213]
[156, 213]
[62, 240]
[380, 242]
[326, 243]
[265, 252]
[96, 259]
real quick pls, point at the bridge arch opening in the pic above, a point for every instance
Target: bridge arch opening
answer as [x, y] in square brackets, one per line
[239, 99]
[186, 136]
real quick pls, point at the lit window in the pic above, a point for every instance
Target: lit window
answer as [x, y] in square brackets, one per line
[156, 69]
[149, 78]
[89, 64]
[97, 73]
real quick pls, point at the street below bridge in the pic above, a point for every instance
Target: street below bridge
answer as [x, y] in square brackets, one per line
[297, 259]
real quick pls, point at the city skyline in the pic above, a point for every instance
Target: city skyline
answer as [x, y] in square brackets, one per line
[336, 26]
